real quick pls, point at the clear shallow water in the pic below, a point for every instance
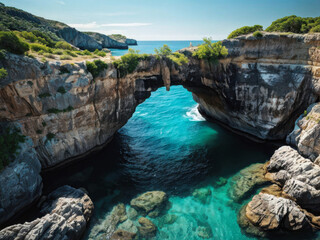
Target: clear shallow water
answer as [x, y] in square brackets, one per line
[149, 46]
[167, 146]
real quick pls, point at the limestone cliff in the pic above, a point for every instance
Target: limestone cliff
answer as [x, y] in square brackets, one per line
[263, 84]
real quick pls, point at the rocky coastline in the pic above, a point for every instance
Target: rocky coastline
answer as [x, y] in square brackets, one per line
[267, 87]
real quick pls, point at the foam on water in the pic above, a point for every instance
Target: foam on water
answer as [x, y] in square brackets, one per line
[194, 115]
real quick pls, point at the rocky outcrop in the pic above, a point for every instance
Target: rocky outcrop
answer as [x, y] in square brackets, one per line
[306, 134]
[271, 213]
[298, 176]
[107, 42]
[79, 39]
[66, 213]
[263, 84]
[21, 183]
[291, 203]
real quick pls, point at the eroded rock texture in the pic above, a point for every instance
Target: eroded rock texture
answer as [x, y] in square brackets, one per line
[66, 213]
[306, 135]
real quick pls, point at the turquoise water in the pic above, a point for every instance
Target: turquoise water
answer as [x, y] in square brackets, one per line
[149, 46]
[168, 146]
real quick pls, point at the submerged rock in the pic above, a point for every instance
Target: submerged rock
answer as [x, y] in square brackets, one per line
[132, 213]
[269, 212]
[128, 226]
[167, 219]
[204, 232]
[147, 229]
[246, 181]
[108, 226]
[66, 213]
[221, 182]
[202, 194]
[150, 203]
[122, 235]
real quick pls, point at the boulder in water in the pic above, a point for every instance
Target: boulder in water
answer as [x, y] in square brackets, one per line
[122, 235]
[150, 203]
[147, 229]
[202, 194]
[204, 232]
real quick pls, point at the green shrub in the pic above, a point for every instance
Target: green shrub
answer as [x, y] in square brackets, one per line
[44, 38]
[2, 54]
[245, 30]
[102, 54]
[163, 51]
[44, 124]
[61, 90]
[50, 136]
[315, 29]
[63, 45]
[30, 83]
[44, 95]
[70, 53]
[178, 58]
[37, 47]
[10, 42]
[86, 52]
[9, 145]
[65, 57]
[58, 52]
[3, 73]
[81, 53]
[257, 34]
[48, 55]
[96, 67]
[211, 51]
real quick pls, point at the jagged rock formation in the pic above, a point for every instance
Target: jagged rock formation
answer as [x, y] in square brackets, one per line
[292, 203]
[66, 213]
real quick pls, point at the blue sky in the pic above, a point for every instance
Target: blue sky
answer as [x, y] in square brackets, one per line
[166, 19]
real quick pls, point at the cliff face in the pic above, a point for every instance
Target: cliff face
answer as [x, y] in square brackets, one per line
[264, 84]
[79, 39]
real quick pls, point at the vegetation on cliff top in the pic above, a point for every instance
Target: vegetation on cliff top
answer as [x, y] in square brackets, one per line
[245, 30]
[9, 145]
[118, 37]
[211, 51]
[96, 67]
[175, 57]
[128, 62]
[295, 24]
[289, 24]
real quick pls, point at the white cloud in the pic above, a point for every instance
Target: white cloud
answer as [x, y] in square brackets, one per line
[94, 25]
[61, 2]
